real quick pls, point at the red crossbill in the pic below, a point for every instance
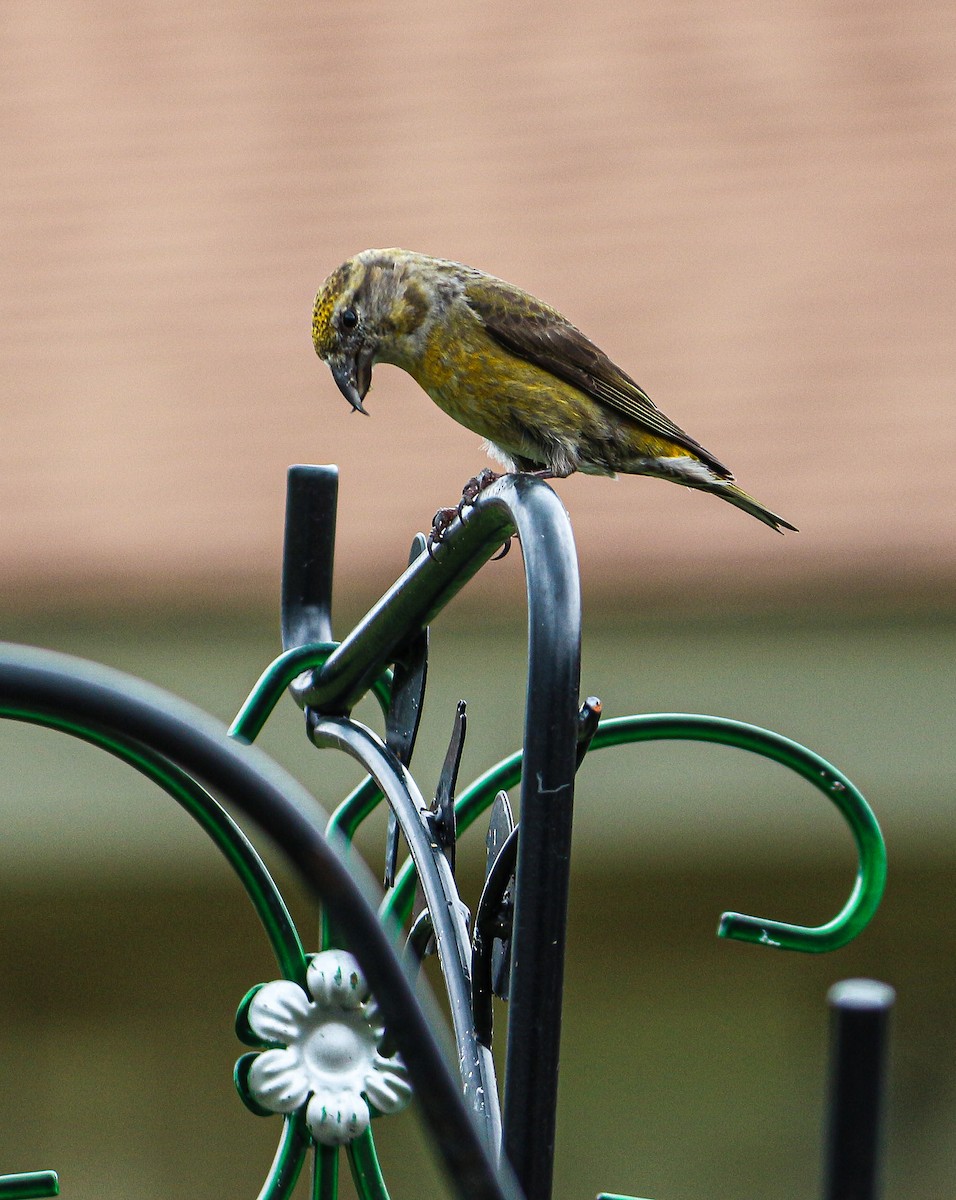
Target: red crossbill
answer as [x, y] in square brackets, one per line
[509, 367]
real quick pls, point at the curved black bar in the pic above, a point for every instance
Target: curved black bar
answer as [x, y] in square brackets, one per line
[308, 555]
[34, 680]
[449, 917]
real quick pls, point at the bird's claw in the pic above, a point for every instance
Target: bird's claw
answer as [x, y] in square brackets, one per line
[470, 493]
[475, 486]
[445, 517]
[441, 523]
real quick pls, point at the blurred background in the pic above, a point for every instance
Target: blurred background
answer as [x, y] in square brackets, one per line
[751, 209]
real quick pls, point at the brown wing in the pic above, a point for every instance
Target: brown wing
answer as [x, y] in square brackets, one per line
[539, 334]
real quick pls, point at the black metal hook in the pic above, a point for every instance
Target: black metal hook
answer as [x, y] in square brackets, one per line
[493, 929]
[529, 506]
[443, 808]
[404, 714]
[441, 815]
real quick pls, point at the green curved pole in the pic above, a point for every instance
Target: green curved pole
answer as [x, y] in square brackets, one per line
[871, 873]
[325, 1178]
[276, 678]
[289, 1156]
[366, 1171]
[214, 820]
[270, 907]
[870, 880]
[260, 703]
[266, 900]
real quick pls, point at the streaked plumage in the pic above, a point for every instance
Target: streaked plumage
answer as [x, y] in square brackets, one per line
[507, 366]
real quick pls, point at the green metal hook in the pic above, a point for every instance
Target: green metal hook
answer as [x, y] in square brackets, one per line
[277, 676]
[871, 874]
[871, 850]
[270, 685]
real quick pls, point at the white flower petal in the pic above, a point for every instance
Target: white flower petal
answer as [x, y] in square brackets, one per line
[373, 1018]
[277, 1011]
[335, 979]
[277, 1081]
[337, 1119]
[387, 1086]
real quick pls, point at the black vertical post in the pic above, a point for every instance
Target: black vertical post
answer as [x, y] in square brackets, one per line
[859, 1024]
[544, 849]
[308, 555]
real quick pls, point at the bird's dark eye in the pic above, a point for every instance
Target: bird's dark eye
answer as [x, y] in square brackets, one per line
[349, 318]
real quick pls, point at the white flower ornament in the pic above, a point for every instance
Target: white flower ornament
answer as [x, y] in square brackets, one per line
[324, 1051]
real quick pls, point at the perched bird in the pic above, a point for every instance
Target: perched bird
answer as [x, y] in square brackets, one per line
[509, 367]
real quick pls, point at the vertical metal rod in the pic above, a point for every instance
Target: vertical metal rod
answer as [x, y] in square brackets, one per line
[544, 854]
[308, 555]
[860, 1012]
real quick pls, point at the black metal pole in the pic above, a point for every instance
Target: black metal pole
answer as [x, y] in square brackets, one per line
[528, 505]
[544, 854]
[859, 1024]
[308, 555]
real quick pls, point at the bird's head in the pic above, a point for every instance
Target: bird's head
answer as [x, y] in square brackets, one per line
[373, 308]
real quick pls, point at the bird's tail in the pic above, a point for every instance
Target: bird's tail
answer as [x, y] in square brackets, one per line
[692, 472]
[734, 495]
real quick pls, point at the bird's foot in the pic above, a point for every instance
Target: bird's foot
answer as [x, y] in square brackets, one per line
[475, 486]
[441, 523]
[470, 493]
[445, 517]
